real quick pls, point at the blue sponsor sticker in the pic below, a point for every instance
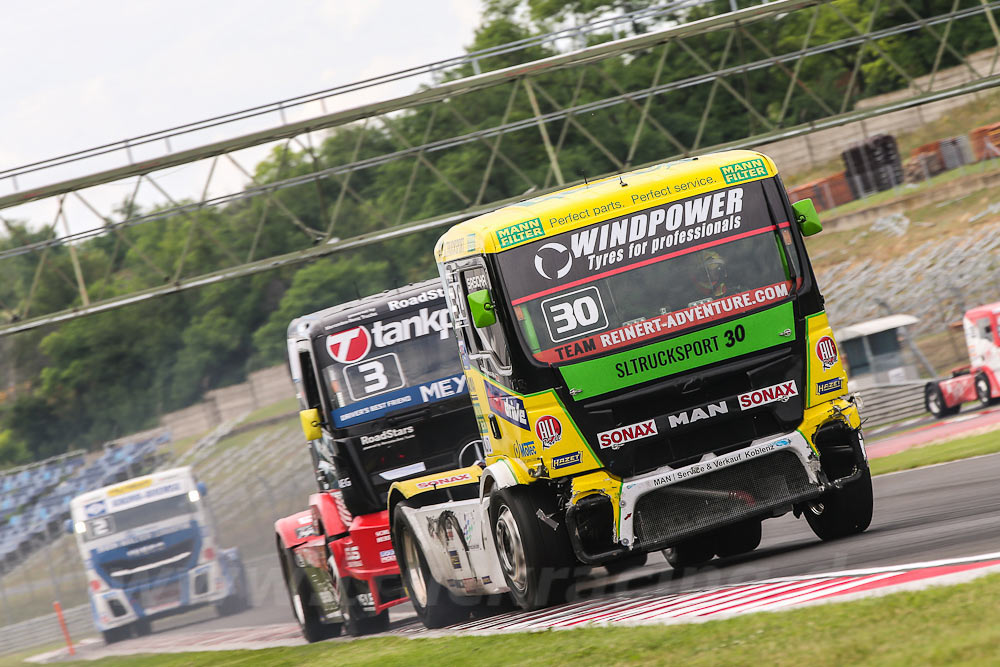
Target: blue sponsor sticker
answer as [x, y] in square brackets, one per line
[507, 407]
[95, 509]
[526, 449]
[829, 386]
[566, 460]
[376, 406]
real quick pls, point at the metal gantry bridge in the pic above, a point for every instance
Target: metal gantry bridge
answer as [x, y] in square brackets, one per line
[73, 190]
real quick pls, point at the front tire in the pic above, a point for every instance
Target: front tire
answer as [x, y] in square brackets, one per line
[535, 557]
[934, 401]
[843, 512]
[630, 562]
[114, 635]
[738, 539]
[300, 597]
[434, 604]
[690, 553]
[983, 391]
[356, 620]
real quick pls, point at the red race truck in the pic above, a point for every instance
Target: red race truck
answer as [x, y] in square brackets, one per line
[383, 399]
[980, 380]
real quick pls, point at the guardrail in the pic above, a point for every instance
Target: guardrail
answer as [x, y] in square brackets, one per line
[889, 403]
[43, 630]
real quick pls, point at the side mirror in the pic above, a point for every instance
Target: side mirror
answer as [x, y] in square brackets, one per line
[481, 308]
[807, 217]
[202, 489]
[310, 424]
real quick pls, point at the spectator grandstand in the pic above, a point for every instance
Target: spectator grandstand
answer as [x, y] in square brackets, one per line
[34, 499]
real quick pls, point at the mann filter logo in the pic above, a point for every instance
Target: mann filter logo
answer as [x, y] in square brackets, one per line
[778, 392]
[826, 352]
[549, 430]
[744, 171]
[553, 261]
[566, 460]
[698, 414]
[354, 344]
[522, 231]
[615, 438]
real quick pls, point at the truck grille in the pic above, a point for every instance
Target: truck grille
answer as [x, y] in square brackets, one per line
[162, 564]
[748, 489]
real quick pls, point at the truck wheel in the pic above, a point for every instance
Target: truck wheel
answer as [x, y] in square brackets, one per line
[934, 401]
[434, 604]
[301, 598]
[239, 599]
[142, 627]
[116, 634]
[691, 553]
[630, 562]
[843, 512]
[983, 390]
[738, 539]
[534, 557]
[356, 622]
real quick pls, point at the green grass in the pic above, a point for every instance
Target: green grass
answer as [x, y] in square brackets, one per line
[952, 450]
[947, 625]
[19, 658]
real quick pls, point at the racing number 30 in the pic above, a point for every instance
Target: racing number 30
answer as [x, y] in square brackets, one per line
[574, 314]
[735, 335]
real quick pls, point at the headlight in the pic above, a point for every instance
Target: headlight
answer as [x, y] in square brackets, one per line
[194, 496]
[80, 527]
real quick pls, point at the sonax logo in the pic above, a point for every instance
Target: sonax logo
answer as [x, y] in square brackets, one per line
[615, 438]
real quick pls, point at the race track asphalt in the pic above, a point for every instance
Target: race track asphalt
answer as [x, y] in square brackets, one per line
[942, 511]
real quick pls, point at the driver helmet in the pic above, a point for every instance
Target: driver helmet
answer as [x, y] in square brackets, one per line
[711, 274]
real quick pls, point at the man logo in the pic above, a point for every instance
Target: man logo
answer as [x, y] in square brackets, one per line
[350, 345]
[559, 254]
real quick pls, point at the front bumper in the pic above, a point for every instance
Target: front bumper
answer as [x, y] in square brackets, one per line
[764, 479]
[202, 584]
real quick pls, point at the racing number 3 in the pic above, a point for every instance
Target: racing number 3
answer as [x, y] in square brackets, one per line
[735, 335]
[373, 375]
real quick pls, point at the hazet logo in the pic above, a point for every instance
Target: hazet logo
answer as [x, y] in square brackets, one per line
[829, 386]
[566, 460]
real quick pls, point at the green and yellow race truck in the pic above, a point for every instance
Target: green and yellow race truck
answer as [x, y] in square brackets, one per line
[651, 368]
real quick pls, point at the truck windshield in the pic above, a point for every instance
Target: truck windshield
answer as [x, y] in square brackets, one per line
[395, 363]
[139, 516]
[651, 274]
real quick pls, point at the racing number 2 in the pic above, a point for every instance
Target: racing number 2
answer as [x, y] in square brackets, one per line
[735, 335]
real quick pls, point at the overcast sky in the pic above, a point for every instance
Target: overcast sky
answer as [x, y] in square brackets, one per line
[77, 74]
[80, 73]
